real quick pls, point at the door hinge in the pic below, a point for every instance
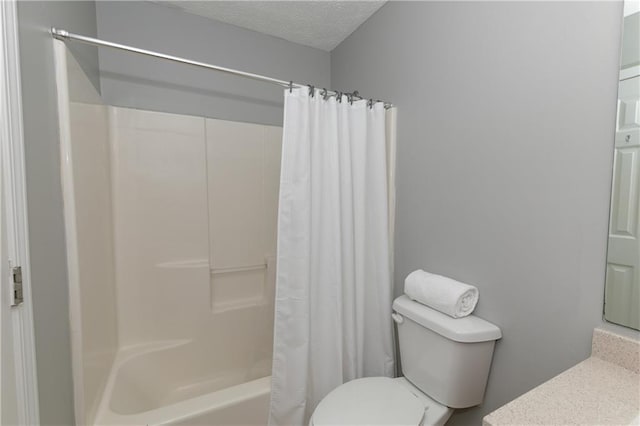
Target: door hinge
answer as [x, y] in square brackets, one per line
[16, 274]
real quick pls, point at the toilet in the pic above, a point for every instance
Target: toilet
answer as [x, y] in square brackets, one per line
[445, 365]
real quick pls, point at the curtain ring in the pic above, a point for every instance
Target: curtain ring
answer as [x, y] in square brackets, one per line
[350, 98]
[370, 103]
[324, 94]
[291, 86]
[339, 96]
[312, 90]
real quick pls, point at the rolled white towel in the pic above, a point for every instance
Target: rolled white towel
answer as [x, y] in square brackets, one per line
[443, 294]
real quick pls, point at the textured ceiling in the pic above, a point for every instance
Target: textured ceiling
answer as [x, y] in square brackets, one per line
[320, 24]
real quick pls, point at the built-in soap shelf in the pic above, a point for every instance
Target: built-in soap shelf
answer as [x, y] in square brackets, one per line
[244, 286]
[235, 287]
[204, 263]
[184, 264]
[234, 269]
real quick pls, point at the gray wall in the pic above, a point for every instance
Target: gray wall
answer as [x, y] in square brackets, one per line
[506, 123]
[141, 82]
[44, 194]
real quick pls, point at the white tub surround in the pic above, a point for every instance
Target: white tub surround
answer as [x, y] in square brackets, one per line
[171, 239]
[604, 389]
[86, 187]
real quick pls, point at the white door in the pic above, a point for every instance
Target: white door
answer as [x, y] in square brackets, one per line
[622, 295]
[8, 385]
[18, 386]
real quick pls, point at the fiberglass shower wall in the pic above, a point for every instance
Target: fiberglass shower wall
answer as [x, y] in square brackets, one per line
[171, 236]
[195, 217]
[86, 186]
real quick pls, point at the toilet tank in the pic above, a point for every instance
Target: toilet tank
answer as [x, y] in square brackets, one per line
[447, 358]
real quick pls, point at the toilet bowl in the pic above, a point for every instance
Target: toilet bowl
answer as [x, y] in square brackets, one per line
[445, 365]
[379, 401]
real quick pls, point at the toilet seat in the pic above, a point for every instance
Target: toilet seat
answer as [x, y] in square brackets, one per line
[378, 401]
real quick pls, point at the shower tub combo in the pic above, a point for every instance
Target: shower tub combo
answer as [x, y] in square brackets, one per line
[170, 225]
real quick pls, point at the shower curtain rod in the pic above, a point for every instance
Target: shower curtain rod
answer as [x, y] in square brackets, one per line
[65, 35]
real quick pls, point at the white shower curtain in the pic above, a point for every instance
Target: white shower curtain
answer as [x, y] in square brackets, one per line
[333, 287]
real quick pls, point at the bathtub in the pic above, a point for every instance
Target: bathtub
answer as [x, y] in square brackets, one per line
[161, 384]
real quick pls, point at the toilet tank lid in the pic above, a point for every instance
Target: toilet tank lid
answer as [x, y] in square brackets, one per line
[468, 329]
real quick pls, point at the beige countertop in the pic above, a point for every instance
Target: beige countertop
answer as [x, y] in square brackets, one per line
[602, 390]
